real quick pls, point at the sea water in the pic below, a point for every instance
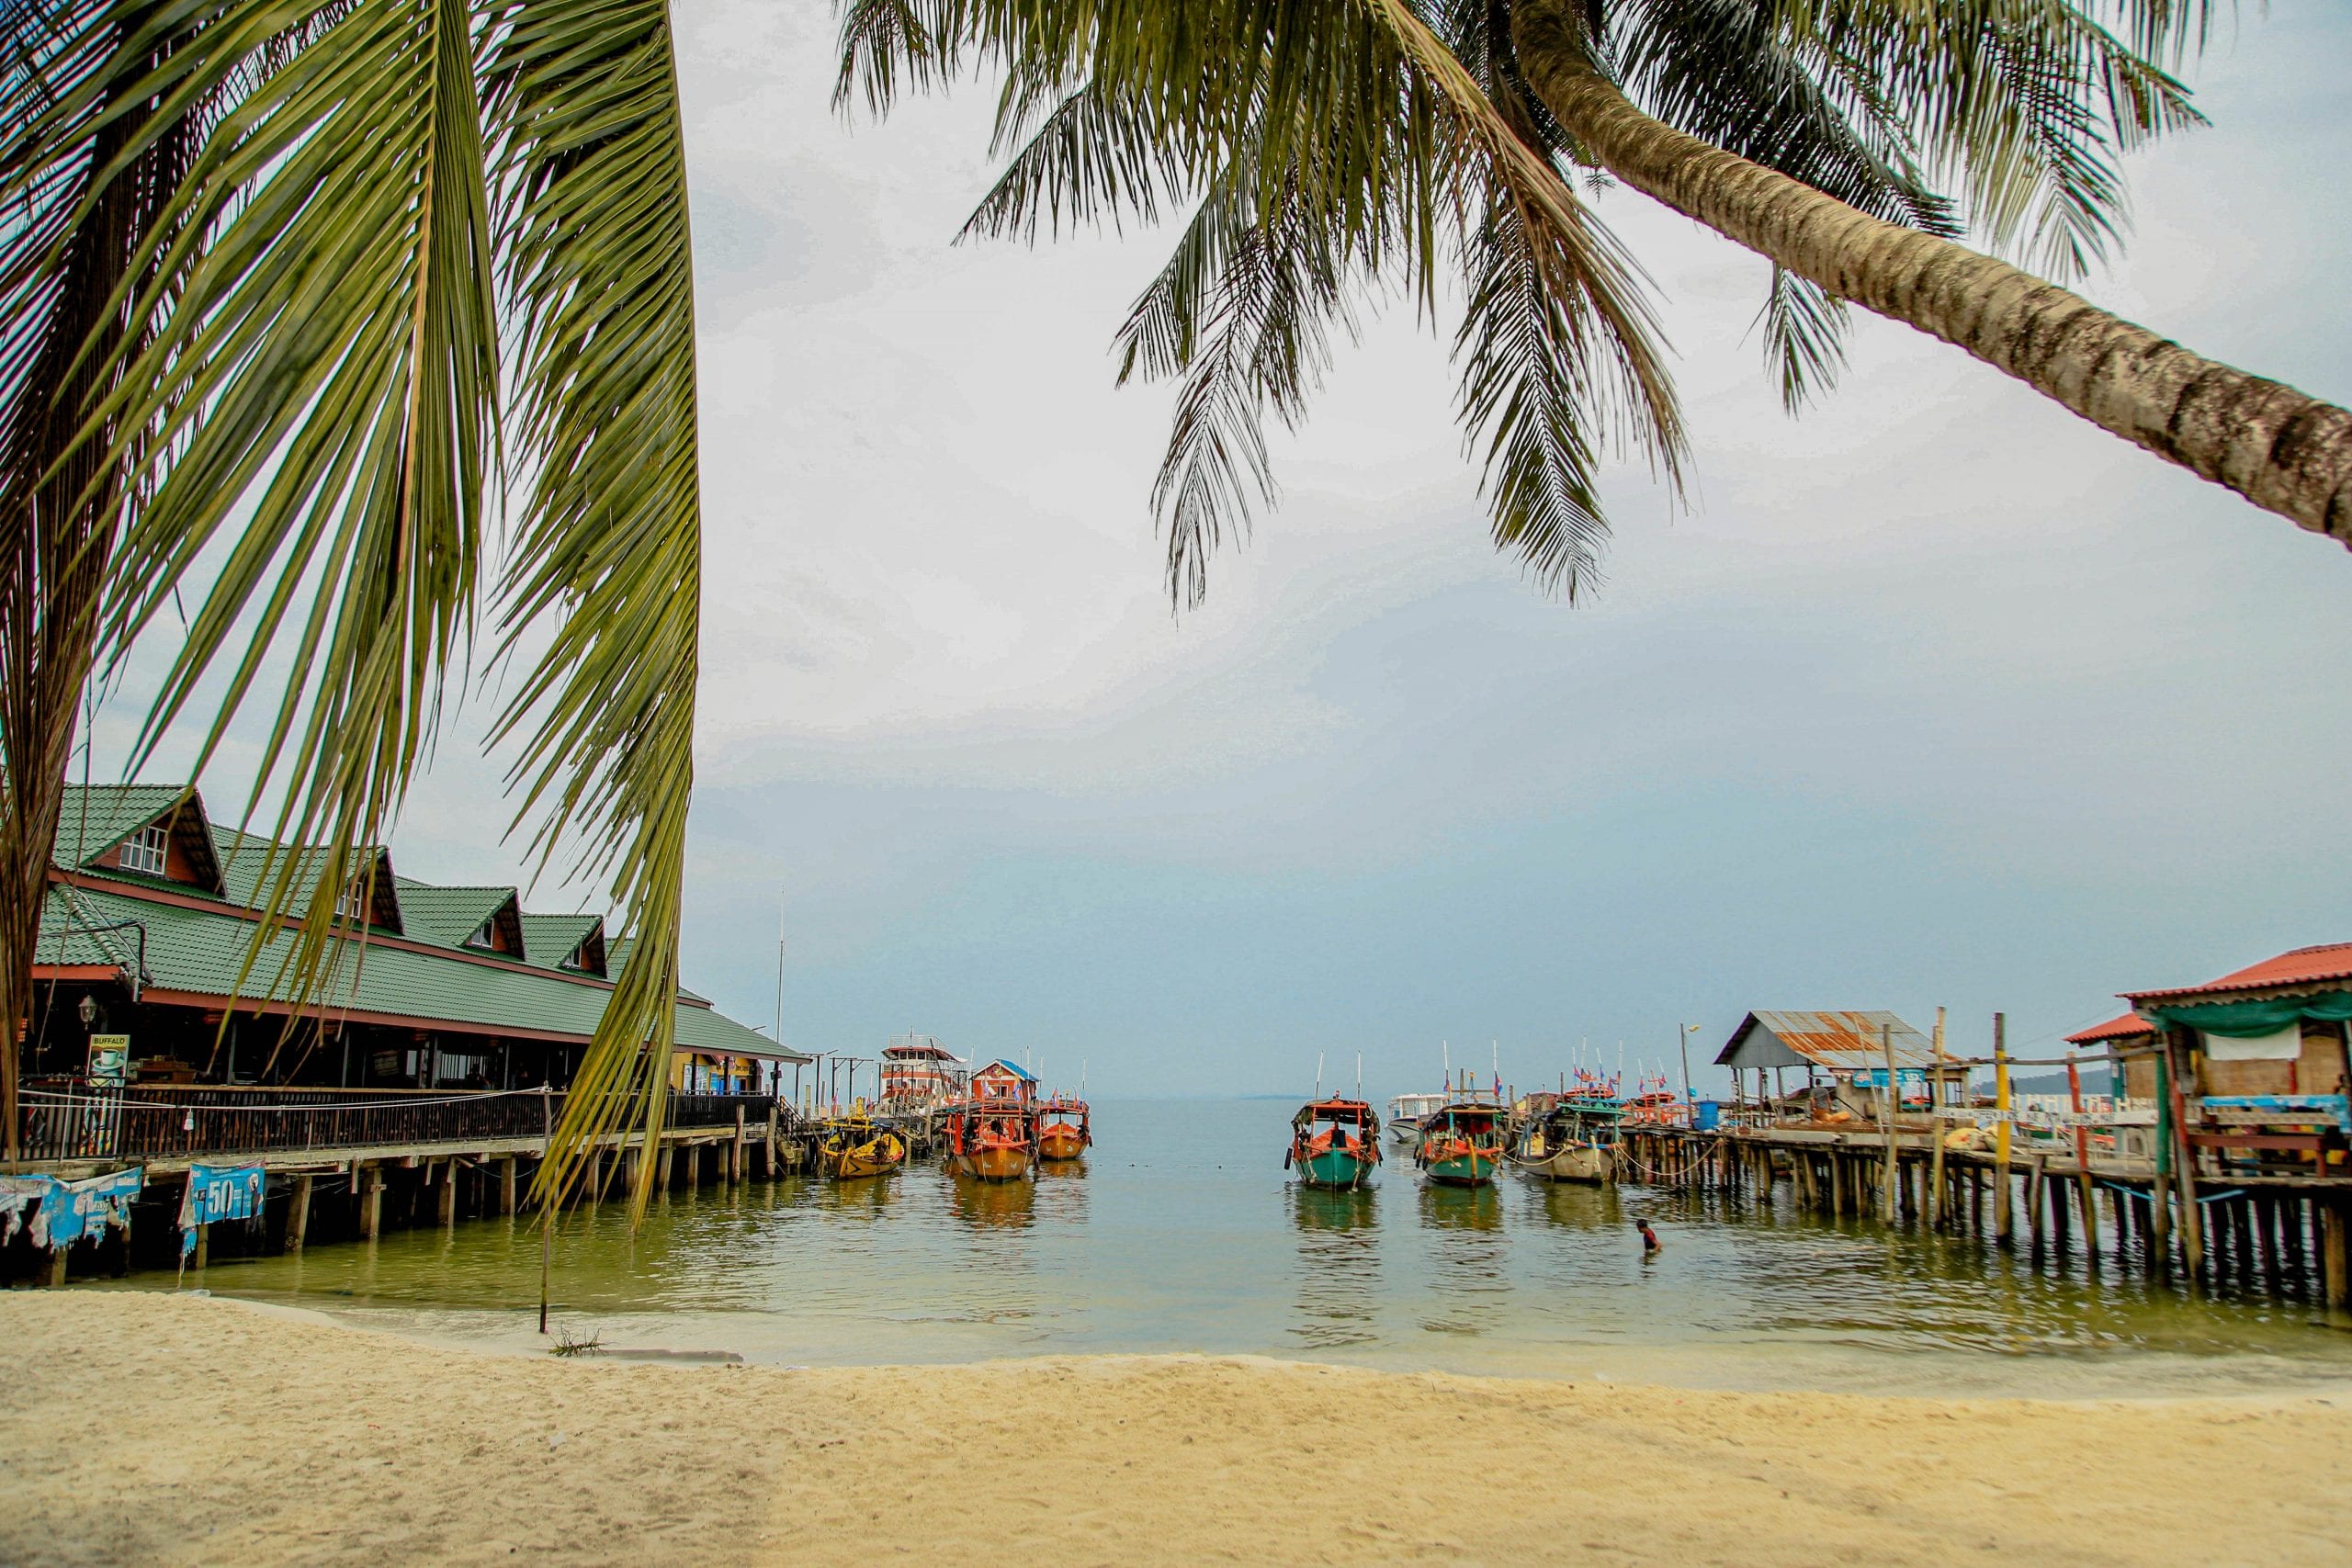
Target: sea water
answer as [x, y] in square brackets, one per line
[1181, 1232]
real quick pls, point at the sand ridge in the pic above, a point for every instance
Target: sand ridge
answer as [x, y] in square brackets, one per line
[140, 1427]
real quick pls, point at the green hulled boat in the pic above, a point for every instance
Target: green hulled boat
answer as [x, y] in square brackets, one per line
[1334, 1142]
[1460, 1143]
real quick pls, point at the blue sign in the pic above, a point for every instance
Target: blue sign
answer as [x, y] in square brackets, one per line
[218, 1192]
[1905, 1078]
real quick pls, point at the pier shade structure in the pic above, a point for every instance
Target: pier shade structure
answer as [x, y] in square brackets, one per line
[421, 1079]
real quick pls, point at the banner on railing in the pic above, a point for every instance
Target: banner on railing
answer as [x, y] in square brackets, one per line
[68, 1211]
[217, 1192]
[1988, 1117]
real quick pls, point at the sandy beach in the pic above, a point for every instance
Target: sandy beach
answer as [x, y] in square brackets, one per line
[148, 1429]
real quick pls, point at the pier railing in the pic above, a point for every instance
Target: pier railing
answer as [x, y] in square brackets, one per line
[163, 1122]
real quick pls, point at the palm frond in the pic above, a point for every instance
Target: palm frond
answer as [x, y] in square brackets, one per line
[1804, 330]
[607, 556]
[2024, 105]
[332, 357]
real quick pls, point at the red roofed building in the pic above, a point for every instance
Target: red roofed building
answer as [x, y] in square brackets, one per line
[2280, 1027]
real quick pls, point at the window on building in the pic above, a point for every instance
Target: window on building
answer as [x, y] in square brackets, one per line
[145, 851]
[353, 906]
[481, 938]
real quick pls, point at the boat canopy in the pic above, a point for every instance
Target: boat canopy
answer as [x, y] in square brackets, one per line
[1350, 1110]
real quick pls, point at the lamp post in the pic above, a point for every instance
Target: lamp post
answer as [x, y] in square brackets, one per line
[1684, 1042]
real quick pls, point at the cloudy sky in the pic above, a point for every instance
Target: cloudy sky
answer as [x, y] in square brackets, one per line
[1934, 696]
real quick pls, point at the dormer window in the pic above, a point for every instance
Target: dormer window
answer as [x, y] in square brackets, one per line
[353, 904]
[482, 938]
[145, 850]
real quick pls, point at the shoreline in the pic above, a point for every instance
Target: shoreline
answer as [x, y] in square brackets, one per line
[154, 1428]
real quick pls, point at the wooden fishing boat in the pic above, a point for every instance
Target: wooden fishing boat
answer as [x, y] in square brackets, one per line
[856, 1145]
[1334, 1142]
[993, 1136]
[1568, 1137]
[1065, 1129]
[1462, 1143]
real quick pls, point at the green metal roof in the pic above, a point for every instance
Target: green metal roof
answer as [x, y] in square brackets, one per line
[202, 951]
[548, 939]
[446, 916]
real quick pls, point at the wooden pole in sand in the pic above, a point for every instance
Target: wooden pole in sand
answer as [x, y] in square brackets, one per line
[1936, 1129]
[2001, 1216]
[2083, 1183]
[1886, 1185]
[2192, 1220]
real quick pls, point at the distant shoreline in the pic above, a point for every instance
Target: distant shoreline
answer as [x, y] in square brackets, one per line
[185, 1428]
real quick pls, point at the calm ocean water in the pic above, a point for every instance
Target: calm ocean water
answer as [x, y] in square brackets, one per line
[1184, 1233]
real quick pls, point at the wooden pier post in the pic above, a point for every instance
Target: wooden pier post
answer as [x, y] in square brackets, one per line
[445, 1197]
[2002, 1219]
[371, 1204]
[1891, 1102]
[506, 1185]
[1940, 1209]
[58, 1257]
[2192, 1217]
[2033, 1185]
[768, 1167]
[2335, 1249]
[203, 1252]
[668, 1173]
[298, 1214]
[2266, 1236]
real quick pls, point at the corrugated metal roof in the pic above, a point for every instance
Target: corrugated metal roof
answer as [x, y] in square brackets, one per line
[1838, 1040]
[2304, 965]
[2129, 1027]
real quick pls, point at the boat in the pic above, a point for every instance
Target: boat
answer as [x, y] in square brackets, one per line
[1404, 1113]
[992, 1135]
[1065, 1129]
[1655, 1105]
[856, 1145]
[1462, 1142]
[920, 1076]
[1334, 1142]
[1569, 1136]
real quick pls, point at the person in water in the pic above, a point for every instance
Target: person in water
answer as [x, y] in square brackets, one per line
[1650, 1242]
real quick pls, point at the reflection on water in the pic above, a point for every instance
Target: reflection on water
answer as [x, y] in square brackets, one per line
[1181, 1232]
[992, 1205]
[1338, 1271]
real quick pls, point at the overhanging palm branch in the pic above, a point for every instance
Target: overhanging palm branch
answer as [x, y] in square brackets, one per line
[1305, 133]
[313, 427]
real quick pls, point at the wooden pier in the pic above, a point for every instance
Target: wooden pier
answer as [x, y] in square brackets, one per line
[345, 1168]
[2268, 1232]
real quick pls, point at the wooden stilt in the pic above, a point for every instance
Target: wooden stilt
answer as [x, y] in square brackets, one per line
[506, 1185]
[2335, 1250]
[2033, 1186]
[298, 1214]
[203, 1252]
[2086, 1191]
[371, 1202]
[2241, 1233]
[2264, 1212]
[54, 1274]
[446, 1196]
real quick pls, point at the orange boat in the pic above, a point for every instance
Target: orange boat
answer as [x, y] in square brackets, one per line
[993, 1136]
[1065, 1130]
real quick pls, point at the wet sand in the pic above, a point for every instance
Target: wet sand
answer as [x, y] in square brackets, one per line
[145, 1429]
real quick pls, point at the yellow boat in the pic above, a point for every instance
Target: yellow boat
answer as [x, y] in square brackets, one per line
[856, 1146]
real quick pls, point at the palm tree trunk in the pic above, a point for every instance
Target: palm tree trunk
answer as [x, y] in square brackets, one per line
[2284, 451]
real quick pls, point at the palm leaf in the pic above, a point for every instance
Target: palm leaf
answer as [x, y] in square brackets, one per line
[607, 555]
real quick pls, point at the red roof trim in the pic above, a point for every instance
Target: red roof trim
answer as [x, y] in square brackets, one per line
[2130, 1026]
[2301, 965]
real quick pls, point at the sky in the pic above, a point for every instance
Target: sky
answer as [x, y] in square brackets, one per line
[1936, 696]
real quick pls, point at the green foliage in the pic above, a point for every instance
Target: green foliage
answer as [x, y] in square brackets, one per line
[316, 425]
[1336, 153]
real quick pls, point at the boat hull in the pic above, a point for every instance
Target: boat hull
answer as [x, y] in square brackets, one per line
[992, 1164]
[1474, 1169]
[1060, 1145]
[1580, 1162]
[875, 1157]
[1335, 1168]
